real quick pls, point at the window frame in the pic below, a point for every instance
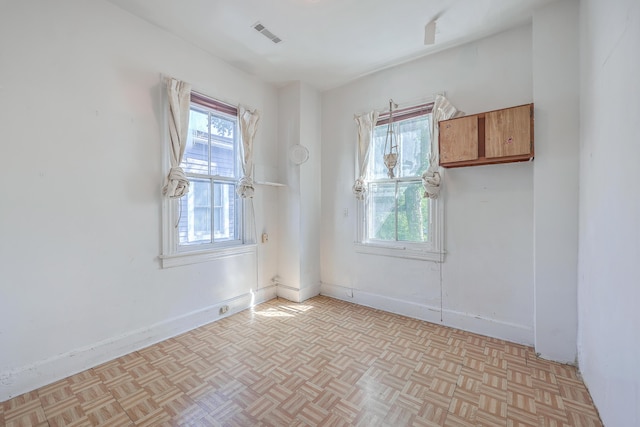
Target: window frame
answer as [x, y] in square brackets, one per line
[433, 248]
[174, 254]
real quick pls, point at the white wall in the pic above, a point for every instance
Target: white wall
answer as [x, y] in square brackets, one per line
[289, 196]
[555, 183]
[299, 249]
[609, 278]
[80, 224]
[487, 278]
[310, 185]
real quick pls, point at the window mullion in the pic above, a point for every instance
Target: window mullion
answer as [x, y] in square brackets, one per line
[396, 210]
[219, 178]
[241, 225]
[212, 189]
[410, 178]
[398, 135]
[212, 217]
[240, 217]
[209, 144]
[238, 153]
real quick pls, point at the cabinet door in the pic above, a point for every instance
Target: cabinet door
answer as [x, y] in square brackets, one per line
[458, 139]
[508, 132]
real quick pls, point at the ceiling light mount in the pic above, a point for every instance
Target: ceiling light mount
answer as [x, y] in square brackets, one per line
[430, 33]
[430, 28]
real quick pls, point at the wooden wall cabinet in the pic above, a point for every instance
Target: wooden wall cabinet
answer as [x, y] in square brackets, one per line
[500, 136]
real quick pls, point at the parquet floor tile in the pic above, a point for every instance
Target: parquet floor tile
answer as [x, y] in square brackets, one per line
[323, 362]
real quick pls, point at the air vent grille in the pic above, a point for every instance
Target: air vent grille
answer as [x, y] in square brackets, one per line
[265, 32]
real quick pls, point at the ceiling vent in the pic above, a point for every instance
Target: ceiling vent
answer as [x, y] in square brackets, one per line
[265, 32]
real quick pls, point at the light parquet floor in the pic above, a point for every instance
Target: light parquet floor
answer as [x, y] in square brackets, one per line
[324, 362]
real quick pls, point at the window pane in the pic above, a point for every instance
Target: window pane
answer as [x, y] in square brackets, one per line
[195, 218]
[395, 209]
[211, 212]
[377, 169]
[196, 155]
[223, 156]
[413, 137]
[382, 217]
[225, 204]
[412, 212]
[414, 146]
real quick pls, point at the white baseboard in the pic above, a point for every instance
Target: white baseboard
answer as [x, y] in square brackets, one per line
[31, 377]
[381, 302]
[297, 295]
[465, 321]
[513, 332]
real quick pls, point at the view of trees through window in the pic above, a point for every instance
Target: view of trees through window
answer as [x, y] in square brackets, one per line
[396, 209]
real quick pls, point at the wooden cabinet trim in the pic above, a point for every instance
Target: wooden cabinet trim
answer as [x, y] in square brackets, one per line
[497, 153]
[459, 141]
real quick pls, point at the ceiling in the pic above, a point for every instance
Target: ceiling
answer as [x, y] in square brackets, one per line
[327, 43]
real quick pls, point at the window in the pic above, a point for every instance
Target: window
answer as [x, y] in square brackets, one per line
[396, 217]
[209, 218]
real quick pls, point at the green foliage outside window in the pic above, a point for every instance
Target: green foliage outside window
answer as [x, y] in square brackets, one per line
[397, 210]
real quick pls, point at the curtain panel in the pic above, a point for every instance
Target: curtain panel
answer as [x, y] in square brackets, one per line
[365, 123]
[177, 184]
[431, 179]
[248, 127]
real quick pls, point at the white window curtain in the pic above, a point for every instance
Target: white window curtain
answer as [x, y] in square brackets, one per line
[179, 92]
[442, 110]
[248, 126]
[366, 123]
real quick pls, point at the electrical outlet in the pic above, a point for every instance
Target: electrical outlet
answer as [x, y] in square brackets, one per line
[265, 237]
[224, 309]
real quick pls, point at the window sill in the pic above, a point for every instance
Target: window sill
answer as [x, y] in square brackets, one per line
[399, 251]
[195, 257]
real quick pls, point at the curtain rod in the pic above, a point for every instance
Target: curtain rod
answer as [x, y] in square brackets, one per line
[403, 111]
[198, 94]
[412, 104]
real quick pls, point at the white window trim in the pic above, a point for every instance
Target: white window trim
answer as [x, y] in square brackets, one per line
[172, 254]
[198, 256]
[429, 251]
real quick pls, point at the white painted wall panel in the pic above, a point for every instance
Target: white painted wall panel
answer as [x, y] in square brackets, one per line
[299, 249]
[555, 194]
[609, 278]
[81, 115]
